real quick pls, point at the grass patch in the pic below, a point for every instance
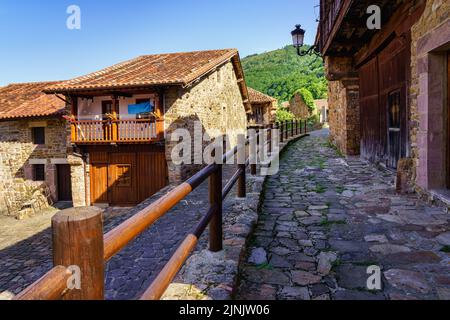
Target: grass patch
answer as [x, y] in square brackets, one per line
[264, 266]
[320, 189]
[366, 263]
[336, 264]
[446, 249]
[340, 189]
[336, 149]
[327, 223]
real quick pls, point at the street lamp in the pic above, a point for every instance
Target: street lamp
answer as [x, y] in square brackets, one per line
[298, 38]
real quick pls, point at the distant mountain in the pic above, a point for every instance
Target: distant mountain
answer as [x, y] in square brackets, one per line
[282, 72]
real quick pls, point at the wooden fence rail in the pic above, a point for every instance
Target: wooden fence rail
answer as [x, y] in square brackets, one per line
[78, 238]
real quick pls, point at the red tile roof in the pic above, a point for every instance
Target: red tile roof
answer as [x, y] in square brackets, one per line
[25, 100]
[149, 70]
[259, 97]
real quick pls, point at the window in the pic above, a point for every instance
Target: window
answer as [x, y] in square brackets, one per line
[107, 108]
[38, 172]
[38, 135]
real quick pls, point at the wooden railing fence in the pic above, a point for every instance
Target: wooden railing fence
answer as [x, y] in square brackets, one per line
[78, 238]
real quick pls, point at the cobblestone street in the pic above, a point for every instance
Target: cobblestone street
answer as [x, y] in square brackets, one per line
[325, 219]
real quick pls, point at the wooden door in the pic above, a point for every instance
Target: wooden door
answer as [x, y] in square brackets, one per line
[99, 183]
[383, 104]
[370, 111]
[152, 173]
[394, 75]
[64, 182]
[122, 180]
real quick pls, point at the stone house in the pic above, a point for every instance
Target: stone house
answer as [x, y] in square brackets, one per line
[33, 144]
[388, 88]
[298, 107]
[263, 108]
[122, 121]
[322, 109]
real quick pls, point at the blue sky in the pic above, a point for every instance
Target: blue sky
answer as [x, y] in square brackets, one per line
[37, 46]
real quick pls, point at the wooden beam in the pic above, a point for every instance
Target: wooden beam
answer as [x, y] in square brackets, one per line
[337, 23]
[122, 94]
[401, 21]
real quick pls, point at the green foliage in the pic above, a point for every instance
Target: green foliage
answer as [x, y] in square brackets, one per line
[446, 249]
[282, 72]
[284, 115]
[307, 98]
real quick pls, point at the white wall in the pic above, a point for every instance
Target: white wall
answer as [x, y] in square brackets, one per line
[88, 109]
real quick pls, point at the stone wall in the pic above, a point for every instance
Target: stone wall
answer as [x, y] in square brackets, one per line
[298, 107]
[214, 103]
[18, 154]
[343, 102]
[428, 96]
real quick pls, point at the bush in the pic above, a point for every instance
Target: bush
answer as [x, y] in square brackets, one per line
[284, 115]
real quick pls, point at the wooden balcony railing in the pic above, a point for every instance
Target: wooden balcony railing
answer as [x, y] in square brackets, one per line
[89, 249]
[116, 131]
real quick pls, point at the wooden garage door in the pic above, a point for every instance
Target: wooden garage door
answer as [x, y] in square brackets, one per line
[152, 174]
[99, 183]
[126, 179]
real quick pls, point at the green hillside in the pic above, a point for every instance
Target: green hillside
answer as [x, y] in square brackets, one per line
[282, 72]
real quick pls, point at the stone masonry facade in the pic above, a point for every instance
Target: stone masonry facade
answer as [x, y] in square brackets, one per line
[214, 104]
[18, 154]
[430, 44]
[298, 107]
[343, 100]
[428, 96]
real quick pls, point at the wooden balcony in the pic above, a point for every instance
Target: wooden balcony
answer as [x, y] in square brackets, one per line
[330, 11]
[117, 131]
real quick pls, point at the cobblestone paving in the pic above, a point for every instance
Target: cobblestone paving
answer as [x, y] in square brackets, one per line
[131, 271]
[325, 219]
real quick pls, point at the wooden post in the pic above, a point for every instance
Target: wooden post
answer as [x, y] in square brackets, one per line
[78, 242]
[241, 187]
[271, 127]
[115, 126]
[296, 127]
[280, 127]
[73, 132]
[292, 127]
[253, 167]
[286, 129]
[215, 199]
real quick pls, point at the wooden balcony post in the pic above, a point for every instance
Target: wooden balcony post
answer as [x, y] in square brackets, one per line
[73, 132]
[78, 241]
[215, 199]
[292, 127]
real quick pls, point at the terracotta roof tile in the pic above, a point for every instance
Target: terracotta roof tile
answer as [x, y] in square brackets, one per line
[159, 69]
[259, 97]
[24, 100]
